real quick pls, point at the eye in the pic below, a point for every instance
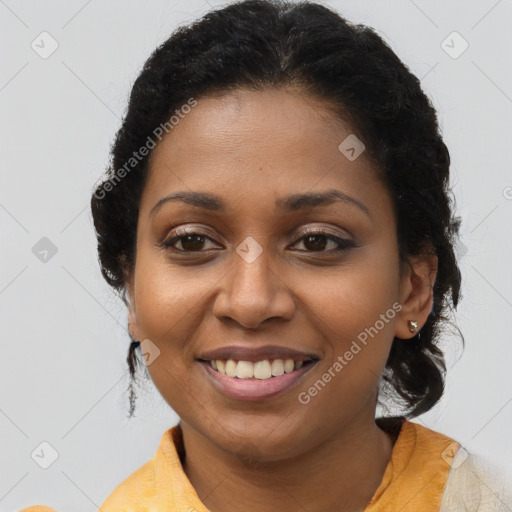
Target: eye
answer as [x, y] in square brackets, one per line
[316, 241]
[191, 241]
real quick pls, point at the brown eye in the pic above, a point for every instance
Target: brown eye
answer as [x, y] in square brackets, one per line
[315, 242]
[190, 241]
[318, 241]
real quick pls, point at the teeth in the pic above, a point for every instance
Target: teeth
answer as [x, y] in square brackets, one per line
[244, 370]
[261, 370]
[289, 365]
[221, 366]
[231, 368]
[277, 367]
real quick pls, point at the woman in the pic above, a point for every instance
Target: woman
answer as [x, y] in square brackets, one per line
[278, 214]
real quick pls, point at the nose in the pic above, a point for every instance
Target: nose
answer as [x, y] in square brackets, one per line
[253, 292]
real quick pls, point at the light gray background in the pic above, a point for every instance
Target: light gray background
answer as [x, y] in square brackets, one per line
[64, 342]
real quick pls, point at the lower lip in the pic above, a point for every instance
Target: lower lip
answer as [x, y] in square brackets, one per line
[252, 390]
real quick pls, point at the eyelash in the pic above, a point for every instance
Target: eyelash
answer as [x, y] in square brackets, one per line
[179, 234]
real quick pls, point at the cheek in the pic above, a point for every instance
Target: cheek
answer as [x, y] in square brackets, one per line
[169, 299]
[354, 312]
[169, 309]
[344, 302]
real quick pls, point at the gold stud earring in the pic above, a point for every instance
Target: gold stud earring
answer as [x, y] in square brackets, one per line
[413, 326]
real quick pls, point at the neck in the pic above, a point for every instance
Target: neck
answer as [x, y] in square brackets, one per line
[340, 473]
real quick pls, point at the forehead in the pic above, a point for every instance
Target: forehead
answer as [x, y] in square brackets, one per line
[259, 145]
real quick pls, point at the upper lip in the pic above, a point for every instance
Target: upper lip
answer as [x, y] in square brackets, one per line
[241, 353]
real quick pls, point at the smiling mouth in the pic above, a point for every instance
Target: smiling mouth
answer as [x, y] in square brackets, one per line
[264, 369]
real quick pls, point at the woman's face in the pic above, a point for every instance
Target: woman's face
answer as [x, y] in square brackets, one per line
[267, 276]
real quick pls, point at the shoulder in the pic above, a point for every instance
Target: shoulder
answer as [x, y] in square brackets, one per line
[132, 491]
[147, 489]
[472, 483]
[431, 471]
[150, 487]
[131, 495]
[37, 508]
[476, 485]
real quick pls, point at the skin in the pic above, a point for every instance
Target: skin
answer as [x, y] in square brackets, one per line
[251, 148]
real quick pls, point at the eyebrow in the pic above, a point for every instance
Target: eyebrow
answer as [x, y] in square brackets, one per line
[294, 202]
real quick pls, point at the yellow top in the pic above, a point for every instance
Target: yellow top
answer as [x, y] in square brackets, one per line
[414, 479]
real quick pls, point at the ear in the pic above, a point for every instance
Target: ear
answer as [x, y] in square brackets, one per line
[416, 293]
[132, 317]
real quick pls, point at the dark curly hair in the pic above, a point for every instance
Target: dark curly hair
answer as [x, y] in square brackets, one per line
[261, 44]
